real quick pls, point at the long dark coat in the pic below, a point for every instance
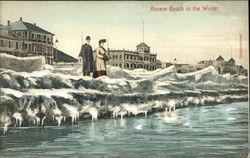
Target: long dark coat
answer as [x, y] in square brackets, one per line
[87, 58]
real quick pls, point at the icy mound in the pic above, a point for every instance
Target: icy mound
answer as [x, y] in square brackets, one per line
[55, 95]
[19, 64]
[210, 74]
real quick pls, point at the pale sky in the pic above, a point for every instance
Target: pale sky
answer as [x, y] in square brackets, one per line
[188, 36]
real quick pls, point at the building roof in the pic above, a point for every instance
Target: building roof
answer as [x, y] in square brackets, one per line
[120, 50]
[142, 44]
[231, 60]
[22, 26]
[59, 55]
[220, 58]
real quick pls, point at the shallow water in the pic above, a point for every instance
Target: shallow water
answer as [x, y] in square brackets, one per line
[208, 131]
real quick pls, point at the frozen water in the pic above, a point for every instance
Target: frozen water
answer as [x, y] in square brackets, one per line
[54, 94]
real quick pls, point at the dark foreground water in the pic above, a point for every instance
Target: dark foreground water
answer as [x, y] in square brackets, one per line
[211, 131]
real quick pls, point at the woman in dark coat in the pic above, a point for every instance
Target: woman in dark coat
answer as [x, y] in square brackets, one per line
[87, 58]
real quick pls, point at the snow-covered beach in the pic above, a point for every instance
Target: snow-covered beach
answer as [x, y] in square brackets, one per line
[54, 96]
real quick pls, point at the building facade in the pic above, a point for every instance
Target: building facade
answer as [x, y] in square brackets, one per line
[25, 39]
[223, 66]
[141, 58]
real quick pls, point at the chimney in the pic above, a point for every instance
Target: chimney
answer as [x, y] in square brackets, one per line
[21, 19]
[8, 23]
[35, 24]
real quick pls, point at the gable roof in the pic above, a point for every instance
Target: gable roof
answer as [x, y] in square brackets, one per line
[59, 55]
[220, 58]
[142, 44]
[20, 25]
[231, 60]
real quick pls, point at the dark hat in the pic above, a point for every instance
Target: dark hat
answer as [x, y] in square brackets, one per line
[88, 38]
[102, 41]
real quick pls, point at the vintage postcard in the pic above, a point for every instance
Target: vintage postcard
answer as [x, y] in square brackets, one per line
[124, 79]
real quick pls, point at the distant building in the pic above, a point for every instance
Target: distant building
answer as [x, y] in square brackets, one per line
[223, 66]
[206, 62]
[241, 70]
[184, 68]
[165, 64]
[141, 58]
[63, 59]
[25, 39]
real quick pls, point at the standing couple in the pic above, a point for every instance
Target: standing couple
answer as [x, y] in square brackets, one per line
[97, 65]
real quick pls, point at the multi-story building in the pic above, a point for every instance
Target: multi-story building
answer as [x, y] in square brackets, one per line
[25, 39]
[141, 58]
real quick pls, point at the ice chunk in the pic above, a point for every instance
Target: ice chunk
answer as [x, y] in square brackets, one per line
[19, 118]
[131, 109]
[72, 112]
[16, 93]
[32, 114]
[5, 121]
[59, 120]
[21, 64]
[94, 113]
[48, 93]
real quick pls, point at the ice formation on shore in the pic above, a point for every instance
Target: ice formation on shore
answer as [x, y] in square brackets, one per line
[53, 96]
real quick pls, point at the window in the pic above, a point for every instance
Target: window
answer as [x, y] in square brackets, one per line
[1, 43]
[9, 44]
[25, 46]
[32, 36]
[16, 45]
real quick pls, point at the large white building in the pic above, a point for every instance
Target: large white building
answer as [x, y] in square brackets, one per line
[141, 58]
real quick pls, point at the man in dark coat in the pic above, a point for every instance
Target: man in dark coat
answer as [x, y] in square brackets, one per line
[87, 58]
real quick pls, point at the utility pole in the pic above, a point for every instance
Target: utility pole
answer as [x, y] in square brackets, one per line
[108, 48]
[143, 31]
[241, 48]
[82, 38]
[231, 51]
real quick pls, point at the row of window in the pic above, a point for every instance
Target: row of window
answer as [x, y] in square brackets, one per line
[9, 44]
[134, 66]
[133, 57]
[120, 65]
[24, 34]
[38, 48]
[25, 46]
